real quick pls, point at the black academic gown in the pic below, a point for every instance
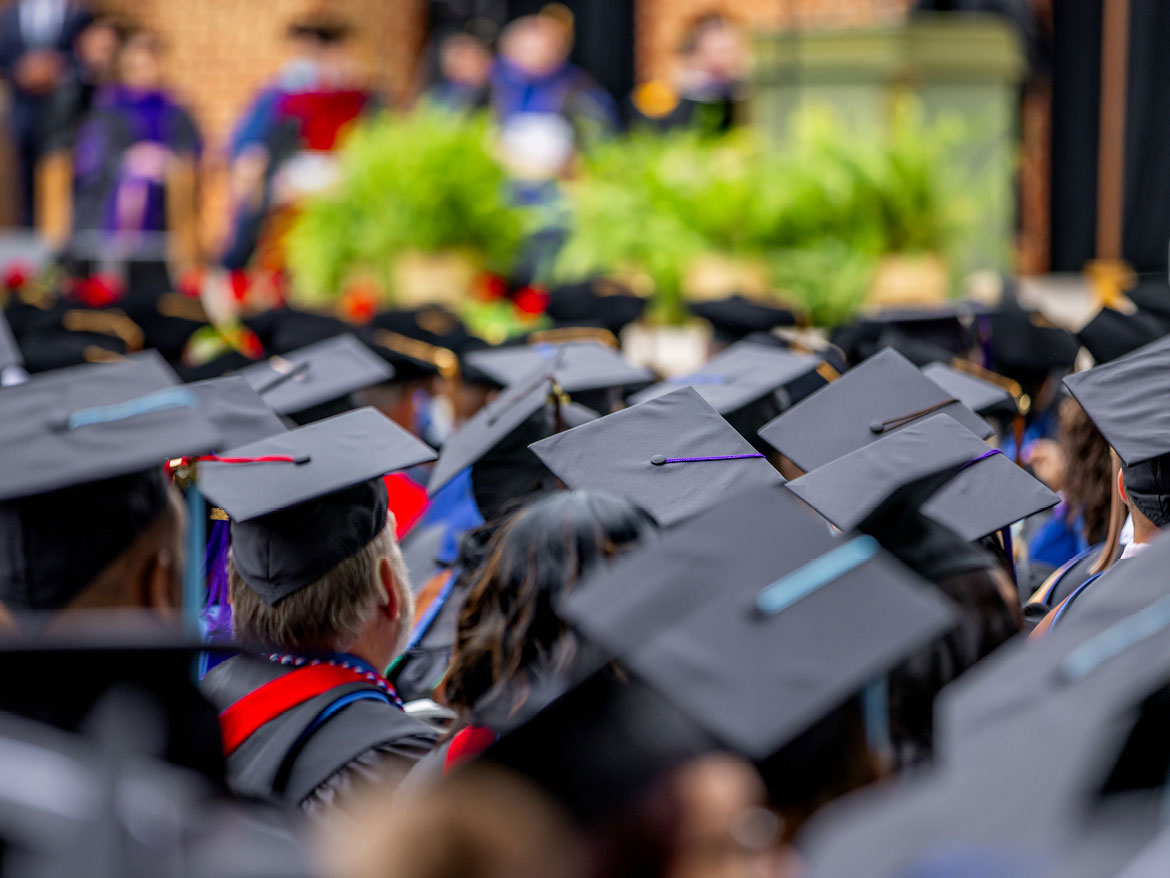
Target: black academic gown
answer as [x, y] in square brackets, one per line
[279, 763]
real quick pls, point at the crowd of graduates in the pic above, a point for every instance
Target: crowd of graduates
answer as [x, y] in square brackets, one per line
[379, 599]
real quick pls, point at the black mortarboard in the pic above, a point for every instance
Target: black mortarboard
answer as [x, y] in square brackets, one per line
[1022, 346]
[64, 334]
[81, 475]
[757, 596]
[281, 330]
[1112, 334]
[296, 518]
[935, 467]
[1028, 783]
[494, 442]
[978, 394]
[673, 456]
[596, 745]
[580, 366]
[736, 316]
[9, 352]
[922, 335]
[746, 383]
[320, 373]
[598, 302]
[235, 410]
[1127, 400]
[874, 398]
[125, 651]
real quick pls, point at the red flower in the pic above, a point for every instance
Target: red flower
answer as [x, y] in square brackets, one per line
[359, 302]
[17, 274]
[99, 290]
[239, 282]
[531, 300]
[490, 287]
[191, 283]
[248, 344]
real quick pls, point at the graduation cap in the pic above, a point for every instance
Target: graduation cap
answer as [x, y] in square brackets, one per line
[1112, 334]
[301, 381]
[581, 366]
[737, 316]
[935, 467]
[1093, 728]
[494, 442]
[874, 398]
[975, 391]
[595, 302]
[757, 596]
[673, 455]
[922, 335]
[1021, 345]
[235, 410]
[303, 501]
[746, 383]
[128, 734]
[82, 474]
[1128, 400]
[594, 744]
[65, 334]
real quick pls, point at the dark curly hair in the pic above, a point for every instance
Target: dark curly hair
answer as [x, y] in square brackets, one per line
[1088, 471]
[509, 633]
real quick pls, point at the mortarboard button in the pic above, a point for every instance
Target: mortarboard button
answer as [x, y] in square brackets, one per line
[619, 453]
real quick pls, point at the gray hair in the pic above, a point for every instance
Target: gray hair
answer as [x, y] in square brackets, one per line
[331, 613]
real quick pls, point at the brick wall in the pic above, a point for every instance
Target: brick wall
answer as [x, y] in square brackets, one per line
[221, 51]
[660, 23]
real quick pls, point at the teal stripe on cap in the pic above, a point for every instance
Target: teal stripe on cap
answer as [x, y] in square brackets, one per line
[1116, 639]
[160, 400]
[804, 580]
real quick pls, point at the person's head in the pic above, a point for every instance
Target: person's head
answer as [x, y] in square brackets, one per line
[509, 631]
[465, 60]
[1088, 473]
[714, 45]
[479, 822]
[140, 61]
[97, 46]
[363, 606]
[123, 548]
[1145, 489]
[537, 44]
[988, 616]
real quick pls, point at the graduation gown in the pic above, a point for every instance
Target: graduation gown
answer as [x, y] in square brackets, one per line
[303, 755]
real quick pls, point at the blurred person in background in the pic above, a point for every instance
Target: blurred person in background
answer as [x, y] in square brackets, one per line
[707, 87]
[1077, 465]
[37, 38]
[96, 49]
[280, 152]
[465, 69]
[534, 77]
[249, 147]
[135, 160]
[705, 820]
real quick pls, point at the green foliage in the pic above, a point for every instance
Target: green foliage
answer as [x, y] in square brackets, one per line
[425, 182]
[820, 210]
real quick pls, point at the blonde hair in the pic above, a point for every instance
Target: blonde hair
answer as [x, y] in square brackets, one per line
[329, 614]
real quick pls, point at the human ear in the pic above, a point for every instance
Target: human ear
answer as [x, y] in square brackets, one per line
[1121, 487]
[391, 606]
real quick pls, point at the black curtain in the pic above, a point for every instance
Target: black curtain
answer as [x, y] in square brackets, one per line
[1076, 90]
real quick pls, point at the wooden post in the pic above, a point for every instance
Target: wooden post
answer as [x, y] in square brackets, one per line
[1111, 142]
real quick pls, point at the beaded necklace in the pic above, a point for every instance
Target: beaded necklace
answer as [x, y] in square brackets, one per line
[359, 668]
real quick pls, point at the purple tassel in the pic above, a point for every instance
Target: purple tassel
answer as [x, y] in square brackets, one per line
[217, 612]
